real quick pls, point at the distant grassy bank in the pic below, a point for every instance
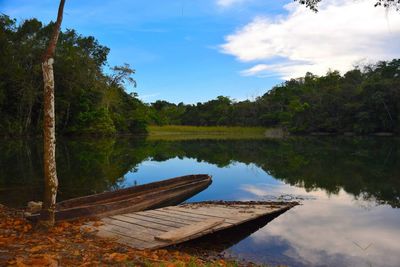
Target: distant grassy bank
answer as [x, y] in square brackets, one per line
[179, 132]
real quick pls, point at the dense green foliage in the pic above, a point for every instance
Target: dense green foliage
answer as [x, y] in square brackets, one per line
[362, 101]
[88, 101]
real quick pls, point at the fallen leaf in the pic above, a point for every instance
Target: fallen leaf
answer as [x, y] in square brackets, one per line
[45, 260]
[117, 257]
[27, 228]
[98, 223]
[38, 248]
[76, 253]
[52, 240]
[17, 222]
[19, 262]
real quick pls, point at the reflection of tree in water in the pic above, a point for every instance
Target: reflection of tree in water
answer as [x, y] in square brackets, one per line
[84, 167]
[368, 168]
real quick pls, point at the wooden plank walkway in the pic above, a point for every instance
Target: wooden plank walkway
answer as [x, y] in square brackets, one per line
[148, 229]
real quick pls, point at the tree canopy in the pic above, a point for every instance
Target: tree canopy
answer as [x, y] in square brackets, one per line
[87, 99]
[362, 101]
[313, 4]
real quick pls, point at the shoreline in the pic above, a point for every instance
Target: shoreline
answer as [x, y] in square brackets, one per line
[171, 132]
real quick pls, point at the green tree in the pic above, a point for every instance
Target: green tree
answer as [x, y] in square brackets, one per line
[86, 98]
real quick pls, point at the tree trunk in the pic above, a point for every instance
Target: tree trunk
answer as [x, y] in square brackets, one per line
[49, 157]
[49, 127]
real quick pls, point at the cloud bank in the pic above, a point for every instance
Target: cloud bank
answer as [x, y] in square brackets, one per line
[341, 34]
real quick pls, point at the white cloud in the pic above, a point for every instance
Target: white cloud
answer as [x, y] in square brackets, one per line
[256, 69]
[149, 97]
[341, 34]
[228, 3]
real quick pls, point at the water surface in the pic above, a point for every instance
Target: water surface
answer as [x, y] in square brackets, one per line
[349, 188]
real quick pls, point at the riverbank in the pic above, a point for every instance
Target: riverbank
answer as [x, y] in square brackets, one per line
[180, 132]
[183, 132]
[68, 245]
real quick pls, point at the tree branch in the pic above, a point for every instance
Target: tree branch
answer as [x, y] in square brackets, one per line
[56, 32]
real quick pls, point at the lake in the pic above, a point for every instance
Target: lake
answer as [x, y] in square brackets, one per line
[349, 188]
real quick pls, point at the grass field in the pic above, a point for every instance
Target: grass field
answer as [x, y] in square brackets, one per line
[179, 132]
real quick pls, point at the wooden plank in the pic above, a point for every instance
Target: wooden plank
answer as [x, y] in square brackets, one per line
[189, 230]
[136, 239]
[233, 210]
[198, 217]
[193, 216]
[122, 239]
[137, 222]
[228, 212]
[202, 233]
[187, 222]
[149, 218]
[168, 218]
[130, 229]
[194, 212]
[222, 210]
[132, 233]
[208, 231]
[119, 231]
[176, 216]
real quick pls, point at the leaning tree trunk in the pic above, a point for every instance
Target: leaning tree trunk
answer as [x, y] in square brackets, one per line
[49, 127]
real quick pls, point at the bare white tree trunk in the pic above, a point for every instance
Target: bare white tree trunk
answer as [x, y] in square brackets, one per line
[49, 134]
[49, 127]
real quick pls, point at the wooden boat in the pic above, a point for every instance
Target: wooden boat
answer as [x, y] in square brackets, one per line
[137, 198]
[153, 229]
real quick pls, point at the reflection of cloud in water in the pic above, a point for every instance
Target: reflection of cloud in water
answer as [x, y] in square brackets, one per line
[274, 191]
[333, 231]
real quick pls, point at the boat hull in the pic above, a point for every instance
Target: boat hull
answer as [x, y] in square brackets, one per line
[138, 198]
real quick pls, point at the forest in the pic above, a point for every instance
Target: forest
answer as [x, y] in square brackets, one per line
[93, 101]
[88, 101]
[362, 101]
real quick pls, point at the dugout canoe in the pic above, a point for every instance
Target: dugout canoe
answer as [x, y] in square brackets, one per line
[136, 198]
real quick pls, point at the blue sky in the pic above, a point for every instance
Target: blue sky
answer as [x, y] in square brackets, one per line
[194, 50]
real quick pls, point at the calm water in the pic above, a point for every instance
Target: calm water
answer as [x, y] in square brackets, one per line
[349, 188]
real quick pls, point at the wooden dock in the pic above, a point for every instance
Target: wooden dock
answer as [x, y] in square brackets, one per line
[171, 225]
